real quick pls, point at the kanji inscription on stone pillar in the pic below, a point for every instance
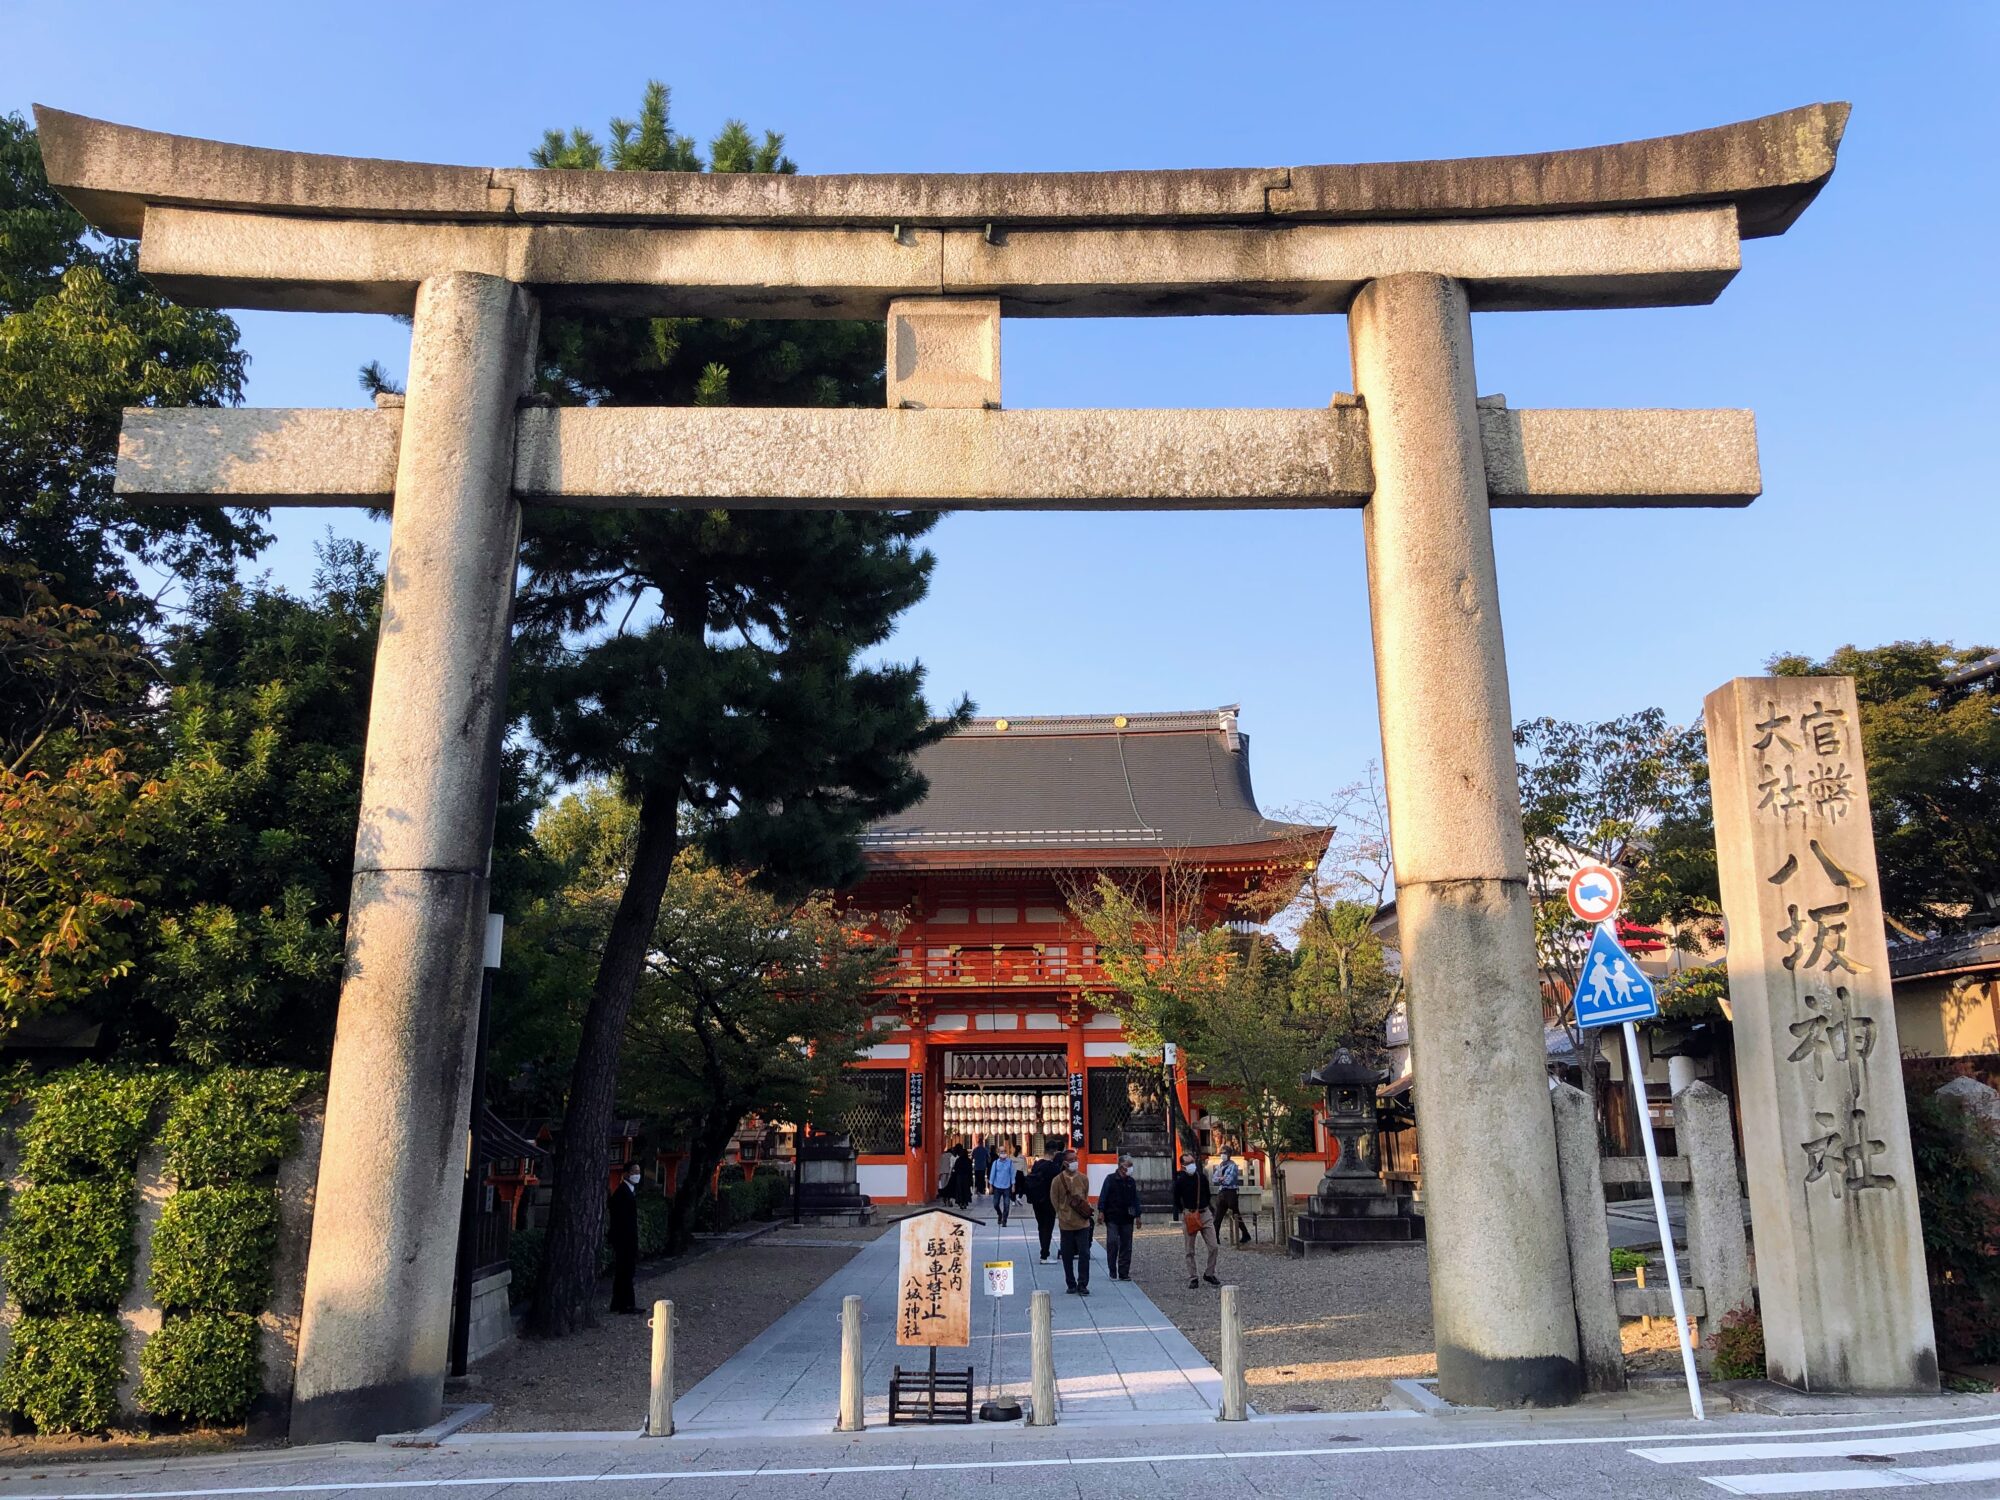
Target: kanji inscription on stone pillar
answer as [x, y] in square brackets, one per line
[1840, 1258]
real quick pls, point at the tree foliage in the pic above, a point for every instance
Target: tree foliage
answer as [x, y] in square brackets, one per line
[1933, 755]
[712, 665]
[81, 338]
[1631, 793]
[750, 1006]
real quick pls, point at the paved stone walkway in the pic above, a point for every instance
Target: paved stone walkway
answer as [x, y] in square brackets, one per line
[1117, 1356]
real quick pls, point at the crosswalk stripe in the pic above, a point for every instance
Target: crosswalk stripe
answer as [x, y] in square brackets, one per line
[1825, 1481]
[1988, 1437]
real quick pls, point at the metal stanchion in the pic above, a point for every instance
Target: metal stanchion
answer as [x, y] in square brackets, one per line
[1042, 1356]
[851, 1418]
[660, 1409]
[1235, 1389]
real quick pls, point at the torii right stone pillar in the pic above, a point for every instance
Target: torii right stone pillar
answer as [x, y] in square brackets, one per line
[1500, 1278]
[375, 1327]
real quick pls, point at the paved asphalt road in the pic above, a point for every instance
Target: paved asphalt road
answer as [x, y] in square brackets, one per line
[1371, 1455]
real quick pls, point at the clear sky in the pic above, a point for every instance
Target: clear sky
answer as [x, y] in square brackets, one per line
[1864, 339]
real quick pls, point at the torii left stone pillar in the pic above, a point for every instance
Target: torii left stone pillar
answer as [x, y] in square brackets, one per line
[377, 1310]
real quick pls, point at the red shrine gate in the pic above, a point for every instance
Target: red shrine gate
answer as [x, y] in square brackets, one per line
[998, 1023]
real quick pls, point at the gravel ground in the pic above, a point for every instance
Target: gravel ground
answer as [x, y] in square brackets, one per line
[596, 1380]
[1323, 1335]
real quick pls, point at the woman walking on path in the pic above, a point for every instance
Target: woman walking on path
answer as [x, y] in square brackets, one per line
[1001, 1176]
[1228, 1179]
[1194, 1201]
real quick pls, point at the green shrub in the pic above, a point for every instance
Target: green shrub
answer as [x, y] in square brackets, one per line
[203, 1367]
[214, 1248]
[68, 1245]
[233, 1124]
[1958, 1197]
[1625, 1262]
[524, 1258]
[652, 1224]
[1739, 1346]
[89, 1121]
[62, 1373]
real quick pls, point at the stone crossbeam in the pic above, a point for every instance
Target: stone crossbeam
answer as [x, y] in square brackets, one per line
[1766, 169]
[639, 457]
[1660, 257]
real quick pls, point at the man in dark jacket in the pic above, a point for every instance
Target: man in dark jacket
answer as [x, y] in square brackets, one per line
[1194, 1201]
[1118, 1201]
[982, 1155]
[624, 1241]
[1036, 1190]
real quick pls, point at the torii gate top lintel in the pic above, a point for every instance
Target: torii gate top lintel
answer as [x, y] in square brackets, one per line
[1769, 168]
[1643, 224]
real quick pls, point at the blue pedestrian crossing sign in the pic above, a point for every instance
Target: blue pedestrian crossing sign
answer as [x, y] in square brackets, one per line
[1610, 987]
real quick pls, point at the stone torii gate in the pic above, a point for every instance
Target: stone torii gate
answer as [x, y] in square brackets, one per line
[1406, 250]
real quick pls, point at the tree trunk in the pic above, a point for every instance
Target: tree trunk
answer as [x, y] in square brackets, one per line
[704, 1156]
[568, 1281]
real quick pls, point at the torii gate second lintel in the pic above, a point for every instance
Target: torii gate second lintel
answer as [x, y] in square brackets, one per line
[1407, 250]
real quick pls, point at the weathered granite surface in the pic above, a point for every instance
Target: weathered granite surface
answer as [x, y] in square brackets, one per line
[1768, 168]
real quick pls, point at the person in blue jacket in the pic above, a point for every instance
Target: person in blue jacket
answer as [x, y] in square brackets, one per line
[1001, 1175]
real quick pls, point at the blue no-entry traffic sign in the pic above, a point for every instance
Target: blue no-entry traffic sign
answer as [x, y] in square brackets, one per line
[1610, 988]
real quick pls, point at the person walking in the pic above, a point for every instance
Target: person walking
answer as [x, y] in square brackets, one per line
[1194, 1201]
[1228, 1180]
[958, 1183]
[1118, 1202]
[981, 1159]
[1036, 1190]
[1070, 1195]
[624, 1230]
[1002, 1175]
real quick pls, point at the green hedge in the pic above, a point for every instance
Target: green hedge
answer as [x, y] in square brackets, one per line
[89, 1121]
[203, 1367]
[214, 1248]
[68, 1245]
[232, 1125]
[652, 1224]
[62, 1373]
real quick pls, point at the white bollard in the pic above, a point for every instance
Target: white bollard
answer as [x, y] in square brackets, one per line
[851, 1418]
[1042, 1358]
[1235, 1388]
[660, 1410]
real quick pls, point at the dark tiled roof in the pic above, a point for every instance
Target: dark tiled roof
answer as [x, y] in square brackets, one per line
[1966, 950]
[1143, 782]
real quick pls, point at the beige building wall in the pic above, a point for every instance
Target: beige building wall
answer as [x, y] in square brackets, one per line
[1947, 1017]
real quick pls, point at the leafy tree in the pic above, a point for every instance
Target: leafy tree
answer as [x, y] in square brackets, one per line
[750, 1006]
[709, 662]
[81, 339]
[1631, 793]
[1933, 755]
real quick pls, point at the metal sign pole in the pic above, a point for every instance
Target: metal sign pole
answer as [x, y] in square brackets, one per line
[1637, 1072]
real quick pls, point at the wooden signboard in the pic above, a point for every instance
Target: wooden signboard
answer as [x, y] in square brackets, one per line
[934, 1281]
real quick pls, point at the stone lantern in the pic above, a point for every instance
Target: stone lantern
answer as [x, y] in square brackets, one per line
[1352, 1206]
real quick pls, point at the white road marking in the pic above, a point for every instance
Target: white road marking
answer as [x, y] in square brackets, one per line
[1820, 1481]
[914, 1466]
[1738, 1452]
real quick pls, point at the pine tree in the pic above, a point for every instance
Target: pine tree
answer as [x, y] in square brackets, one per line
[707, 662]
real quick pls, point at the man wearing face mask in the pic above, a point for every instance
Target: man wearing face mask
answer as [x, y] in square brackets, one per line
[1069, 1195]
[1194, 1201]
[625, 1241]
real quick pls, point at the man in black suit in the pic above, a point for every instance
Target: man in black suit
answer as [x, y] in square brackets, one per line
[624, 1241]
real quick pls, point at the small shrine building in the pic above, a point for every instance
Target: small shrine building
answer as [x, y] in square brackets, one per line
[997, 1022]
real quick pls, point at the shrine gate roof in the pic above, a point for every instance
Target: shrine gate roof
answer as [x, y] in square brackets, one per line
[1084, 789]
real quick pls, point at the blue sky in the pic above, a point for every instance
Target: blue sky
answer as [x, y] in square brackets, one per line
[1864, 339]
